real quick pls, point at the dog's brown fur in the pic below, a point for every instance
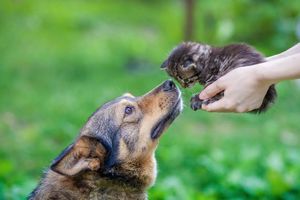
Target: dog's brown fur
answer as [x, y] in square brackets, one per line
[113, 156]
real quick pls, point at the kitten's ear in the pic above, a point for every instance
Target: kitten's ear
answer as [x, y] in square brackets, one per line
[164, 65]
[86, 153]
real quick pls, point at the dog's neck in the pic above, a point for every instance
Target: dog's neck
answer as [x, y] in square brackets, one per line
[113, 185]
[118, 182]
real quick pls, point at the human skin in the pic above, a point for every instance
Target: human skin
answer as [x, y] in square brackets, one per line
[245, 88]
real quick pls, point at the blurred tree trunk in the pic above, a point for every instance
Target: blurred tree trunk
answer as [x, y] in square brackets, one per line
[189, 19]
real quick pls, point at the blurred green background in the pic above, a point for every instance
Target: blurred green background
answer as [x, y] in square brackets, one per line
[60, 60]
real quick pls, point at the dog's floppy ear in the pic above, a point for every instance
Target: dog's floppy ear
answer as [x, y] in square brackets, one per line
[86, 153]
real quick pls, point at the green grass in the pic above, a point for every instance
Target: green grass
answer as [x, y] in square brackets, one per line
[60, 60]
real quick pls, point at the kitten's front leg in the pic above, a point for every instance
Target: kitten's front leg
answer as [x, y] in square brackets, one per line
[197, 103]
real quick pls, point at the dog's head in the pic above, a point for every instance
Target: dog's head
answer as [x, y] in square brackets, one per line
[123, 133]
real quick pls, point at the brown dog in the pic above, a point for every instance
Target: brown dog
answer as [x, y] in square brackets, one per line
[113, 156]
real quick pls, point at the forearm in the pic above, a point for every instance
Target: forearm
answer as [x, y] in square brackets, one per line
[291, 51]
[284, 68]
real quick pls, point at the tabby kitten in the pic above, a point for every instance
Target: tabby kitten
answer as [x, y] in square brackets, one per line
[191, 62]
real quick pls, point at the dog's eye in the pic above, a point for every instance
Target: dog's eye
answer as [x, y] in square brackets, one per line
[129, 110]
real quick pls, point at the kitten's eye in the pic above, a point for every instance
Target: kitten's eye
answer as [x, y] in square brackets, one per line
[129, 110]
[187, 63]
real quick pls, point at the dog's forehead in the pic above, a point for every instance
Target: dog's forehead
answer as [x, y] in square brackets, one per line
[125, 99]
[127, 94]
[119, 100]
[104, 119]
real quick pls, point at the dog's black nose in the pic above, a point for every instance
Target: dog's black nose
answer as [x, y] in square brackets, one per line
[168, 85]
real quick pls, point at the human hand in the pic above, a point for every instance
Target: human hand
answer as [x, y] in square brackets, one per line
[244, 90]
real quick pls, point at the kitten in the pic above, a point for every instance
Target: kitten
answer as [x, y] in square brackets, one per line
[191, 62]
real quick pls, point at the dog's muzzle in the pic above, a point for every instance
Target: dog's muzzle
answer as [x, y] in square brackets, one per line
[174, 110]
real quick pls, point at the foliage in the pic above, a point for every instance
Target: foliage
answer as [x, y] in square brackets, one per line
[60, 60]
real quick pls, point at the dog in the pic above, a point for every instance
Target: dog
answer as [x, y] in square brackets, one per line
[113, 156]
[192, 62]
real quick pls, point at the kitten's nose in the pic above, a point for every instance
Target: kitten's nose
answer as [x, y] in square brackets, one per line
[168, 85]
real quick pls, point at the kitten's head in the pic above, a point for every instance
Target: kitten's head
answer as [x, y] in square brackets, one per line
[186, 61]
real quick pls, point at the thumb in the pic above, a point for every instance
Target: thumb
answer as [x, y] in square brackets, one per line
[211, 90]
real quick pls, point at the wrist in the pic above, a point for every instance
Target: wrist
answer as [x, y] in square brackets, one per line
[260, 73]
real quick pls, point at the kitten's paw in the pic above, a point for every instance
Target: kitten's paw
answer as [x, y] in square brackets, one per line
[196, 103]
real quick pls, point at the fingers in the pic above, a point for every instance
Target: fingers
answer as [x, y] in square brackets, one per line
[218, 106]
[224, 105]
[211, 90]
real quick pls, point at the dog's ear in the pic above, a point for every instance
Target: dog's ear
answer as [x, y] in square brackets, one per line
[86, 153]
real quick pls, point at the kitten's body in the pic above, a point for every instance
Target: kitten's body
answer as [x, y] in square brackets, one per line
[192, 62]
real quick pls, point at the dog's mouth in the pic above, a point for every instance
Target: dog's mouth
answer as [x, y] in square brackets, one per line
[159, 128]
